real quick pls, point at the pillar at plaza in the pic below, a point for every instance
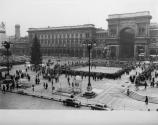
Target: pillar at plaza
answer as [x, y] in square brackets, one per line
[90, 53]
[84, 52]
[117, 51]
[146, 51]
[135, 51]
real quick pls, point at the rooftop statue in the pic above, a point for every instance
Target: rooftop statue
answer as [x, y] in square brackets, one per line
[2, 26]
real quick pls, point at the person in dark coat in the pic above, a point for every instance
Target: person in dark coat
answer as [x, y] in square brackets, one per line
[128, 92]
[145, 85]
[46, 85]
[28, 77]
[33, 89]
[3, 89]
[52, 82]
[146, 100]
[72, 84]
[68, 80]
[38, 81]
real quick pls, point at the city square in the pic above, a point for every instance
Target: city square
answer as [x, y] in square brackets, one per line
[79, 56]
[111, 92]
[84, 76]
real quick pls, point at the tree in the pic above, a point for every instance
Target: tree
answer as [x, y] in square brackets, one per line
[36, 56]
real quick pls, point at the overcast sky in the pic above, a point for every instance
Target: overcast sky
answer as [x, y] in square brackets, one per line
[43, 13]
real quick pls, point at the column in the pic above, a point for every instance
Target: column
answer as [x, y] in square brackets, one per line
[84, 52]
[117, 51]
[109, 51]
[146, 29]
[63, 51]
[117, 30]
[74, 50]
[146, 51]
[136, 30]
[135, 51]
[96, 53]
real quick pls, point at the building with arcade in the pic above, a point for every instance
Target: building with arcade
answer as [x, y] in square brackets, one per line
[68, 40]
[129, 35]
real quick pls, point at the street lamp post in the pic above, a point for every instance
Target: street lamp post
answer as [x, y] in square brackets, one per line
[89, 93]
[89, 87]
[7, 46]
[106, 52]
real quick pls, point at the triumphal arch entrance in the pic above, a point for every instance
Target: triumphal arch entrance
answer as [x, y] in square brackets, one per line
[128, 35]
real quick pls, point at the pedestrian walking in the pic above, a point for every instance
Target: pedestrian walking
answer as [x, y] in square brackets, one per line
[52, 88]
[68, 80]
[145, 85]
[46, 85]
[28, 77]
[38, 80]
[7, 85]
[33, 89]
[52, 82]
[72, 84]
[3, 89]
[146, 100]
[128, 92]
[56, 79]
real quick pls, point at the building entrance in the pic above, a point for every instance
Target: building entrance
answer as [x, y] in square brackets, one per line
[126, 43]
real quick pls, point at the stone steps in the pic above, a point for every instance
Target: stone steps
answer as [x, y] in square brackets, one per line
[139, 97]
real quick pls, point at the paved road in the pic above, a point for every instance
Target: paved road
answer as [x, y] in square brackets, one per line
[16, 101]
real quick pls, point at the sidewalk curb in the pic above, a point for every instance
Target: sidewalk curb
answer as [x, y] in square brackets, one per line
[139, 97]
[21, 92]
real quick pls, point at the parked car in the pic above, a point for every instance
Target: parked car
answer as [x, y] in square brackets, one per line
[72, 102]
[24, 83]
[100, 107]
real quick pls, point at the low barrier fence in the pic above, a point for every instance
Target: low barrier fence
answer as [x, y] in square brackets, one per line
[139, 97]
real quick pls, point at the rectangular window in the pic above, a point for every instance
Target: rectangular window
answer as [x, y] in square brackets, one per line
[76, 35]
[80, 35]
[87, 35]
[72, 35]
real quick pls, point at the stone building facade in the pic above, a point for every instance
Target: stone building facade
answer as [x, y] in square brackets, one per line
[67, 40]
[153, 47]
[20, 46]
[128, 35]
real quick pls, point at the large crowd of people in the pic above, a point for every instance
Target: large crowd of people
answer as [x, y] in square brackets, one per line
[146, 77]
[53, 70]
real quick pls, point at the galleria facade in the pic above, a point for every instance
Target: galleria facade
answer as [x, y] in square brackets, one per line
[128, 36]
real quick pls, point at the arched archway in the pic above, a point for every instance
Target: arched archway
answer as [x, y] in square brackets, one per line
[126, 43]
[113, 52]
